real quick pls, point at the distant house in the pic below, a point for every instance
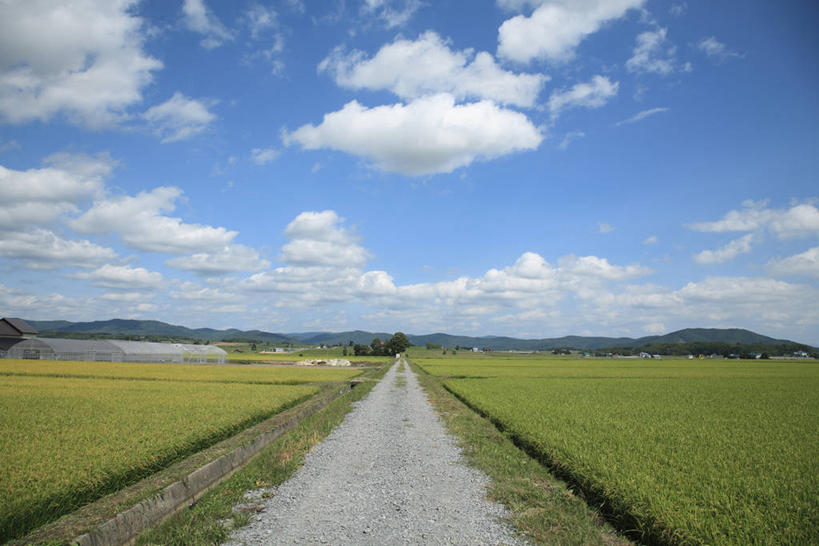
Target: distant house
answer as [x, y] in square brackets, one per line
[12, 332]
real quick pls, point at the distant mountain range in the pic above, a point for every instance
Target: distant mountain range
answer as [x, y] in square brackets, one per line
[157, 329]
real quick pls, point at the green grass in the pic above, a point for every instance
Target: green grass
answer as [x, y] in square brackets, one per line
[213, 517]
[176, 372]
[68, 441]
[682, 452]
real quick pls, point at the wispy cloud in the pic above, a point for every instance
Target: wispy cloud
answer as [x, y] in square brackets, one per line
[570, 136]
[716, 49]
[643, 115]
[603, 227]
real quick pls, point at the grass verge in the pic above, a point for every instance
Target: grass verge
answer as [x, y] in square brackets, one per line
[212, 518]
[542, 507]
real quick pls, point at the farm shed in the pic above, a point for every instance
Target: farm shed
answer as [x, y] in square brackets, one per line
[12, 332]
[145, 351]
[203, 353]
[64, 349]
[114, 351]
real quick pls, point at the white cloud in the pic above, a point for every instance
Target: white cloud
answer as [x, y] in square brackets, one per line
[593, 94]
[83, 60]
[140, 223]
[639, 116]
[260, 156]
[429, 135]
[599, 268]
[179, 117]
[678, 9]
[43, 249]
[229, 259]
[715, 49]
[569, 137]
[655, 328]
[123, 276]
[727, 252]
[317, 239]
[651, 240]
[36, 197]
[9, 145]
[124, 296]
[800, 220]
[392, 13]
[556, 27]
[261, 19]
[603, 227]
[199, 18]
[414, 68]
[805, 263]
[652, 53]
[742, 290]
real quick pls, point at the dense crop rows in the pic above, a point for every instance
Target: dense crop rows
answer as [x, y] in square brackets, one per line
[66, 441]
[714, 452]
[175, 372]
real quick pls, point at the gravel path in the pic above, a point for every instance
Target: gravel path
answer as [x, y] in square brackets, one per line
[389, 474]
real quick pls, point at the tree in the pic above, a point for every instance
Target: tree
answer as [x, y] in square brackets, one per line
[376, 346]
[398, 343]
[360, 350]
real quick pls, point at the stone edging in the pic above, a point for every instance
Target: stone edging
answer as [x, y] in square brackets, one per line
[127, 525]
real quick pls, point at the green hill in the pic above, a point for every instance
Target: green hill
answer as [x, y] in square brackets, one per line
[153, 329]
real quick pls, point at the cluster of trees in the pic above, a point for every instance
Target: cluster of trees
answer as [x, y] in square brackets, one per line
[398, 343]
[741, 350]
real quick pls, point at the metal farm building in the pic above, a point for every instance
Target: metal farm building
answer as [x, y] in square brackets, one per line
[114, 351]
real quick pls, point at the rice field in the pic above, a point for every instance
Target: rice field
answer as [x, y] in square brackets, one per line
[700, 452]
[176, 372]
[68, 440]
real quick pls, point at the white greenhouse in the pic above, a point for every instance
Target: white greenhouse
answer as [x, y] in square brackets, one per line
[114, 351]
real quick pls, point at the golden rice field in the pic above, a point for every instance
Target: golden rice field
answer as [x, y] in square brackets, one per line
[175, 372]
[682, 451]
[69, 440]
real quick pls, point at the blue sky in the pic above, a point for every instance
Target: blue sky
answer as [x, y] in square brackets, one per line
[531, 168]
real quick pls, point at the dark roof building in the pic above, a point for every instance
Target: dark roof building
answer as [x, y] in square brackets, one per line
[15, 327]
[12, 332]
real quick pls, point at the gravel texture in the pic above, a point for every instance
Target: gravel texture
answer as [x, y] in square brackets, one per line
[389, 474]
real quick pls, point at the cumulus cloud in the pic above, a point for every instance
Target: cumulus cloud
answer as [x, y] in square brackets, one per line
[592, 94]
[179, 117]
[36, 197]
[639, 116]
[802, 264]
[122, 276]
[414, 68]
[199, 18]
[651, 240]
[800, 220]
[603, 227]
[653, 53]
[429, 135]
[44, 249]
[229, 259]
[555, 28]
[727, 252]
[84, 60]
[141, 224]
[318, 239]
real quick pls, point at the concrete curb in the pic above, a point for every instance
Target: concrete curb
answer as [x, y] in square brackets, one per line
[124, 528]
